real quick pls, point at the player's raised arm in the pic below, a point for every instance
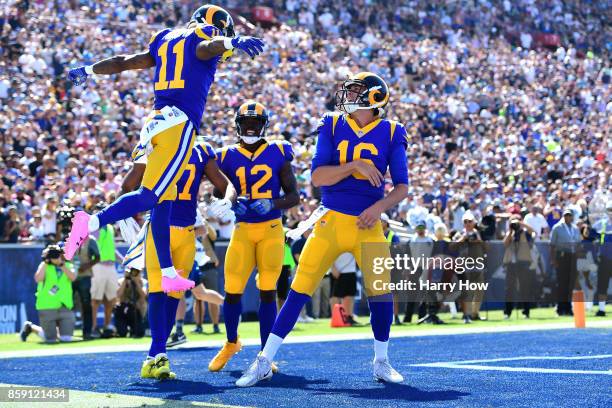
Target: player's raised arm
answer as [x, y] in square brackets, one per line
[112, 65]
[219, 45]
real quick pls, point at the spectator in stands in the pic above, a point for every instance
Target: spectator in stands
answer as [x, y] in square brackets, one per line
[53, 298]
[537, 222]
[564, 240]
[35, 230]
[12, 225]
[517, 260]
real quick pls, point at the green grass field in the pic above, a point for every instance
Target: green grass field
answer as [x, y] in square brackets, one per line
[11, 342]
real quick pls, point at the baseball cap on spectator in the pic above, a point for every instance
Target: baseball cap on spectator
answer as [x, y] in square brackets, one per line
[468, 216]
[420, 224]
[568, 211]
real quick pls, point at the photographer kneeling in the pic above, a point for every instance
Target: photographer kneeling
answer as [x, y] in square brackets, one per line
[517, 260]
[53, 298]
[132, 305]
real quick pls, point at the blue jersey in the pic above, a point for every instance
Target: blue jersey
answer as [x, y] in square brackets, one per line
[256, 175]
[181, 79]
[185, 206]
[382, 143]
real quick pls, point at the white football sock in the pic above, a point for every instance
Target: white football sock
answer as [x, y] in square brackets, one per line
[94, 223]
[602, 305]
[380, 350]
[272, 345]
[169, 272]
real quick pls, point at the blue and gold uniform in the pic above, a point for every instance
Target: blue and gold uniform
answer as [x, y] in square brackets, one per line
[182, 220]
[257, 240]
[181, 84]
[382, 143]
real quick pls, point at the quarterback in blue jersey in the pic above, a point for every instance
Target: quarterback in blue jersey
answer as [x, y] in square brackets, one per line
[185, 62]
[162, 306]
[354, 151]
[259, 171]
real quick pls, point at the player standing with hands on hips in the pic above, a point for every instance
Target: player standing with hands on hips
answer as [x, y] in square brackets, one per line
[354, 151]
[185, 61]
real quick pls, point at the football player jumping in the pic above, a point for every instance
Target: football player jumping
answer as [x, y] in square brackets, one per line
[258, 170]
[162, 306]
[185, 61]
[353, 152]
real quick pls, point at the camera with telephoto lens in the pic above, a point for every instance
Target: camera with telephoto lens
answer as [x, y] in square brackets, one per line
[472, 236]
[51, 252]
[64, 219]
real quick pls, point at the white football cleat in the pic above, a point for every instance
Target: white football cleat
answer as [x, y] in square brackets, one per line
[384, 372]
[260, 369]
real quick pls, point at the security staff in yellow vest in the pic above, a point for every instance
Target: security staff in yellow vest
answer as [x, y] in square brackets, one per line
[53, 298]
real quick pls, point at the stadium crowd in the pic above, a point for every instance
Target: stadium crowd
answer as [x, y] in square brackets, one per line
[496, 127]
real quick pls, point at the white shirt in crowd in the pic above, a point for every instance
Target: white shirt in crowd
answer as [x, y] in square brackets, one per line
[48, 222]
[537, 222]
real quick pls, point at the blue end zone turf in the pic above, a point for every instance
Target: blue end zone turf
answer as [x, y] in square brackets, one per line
[339, 373]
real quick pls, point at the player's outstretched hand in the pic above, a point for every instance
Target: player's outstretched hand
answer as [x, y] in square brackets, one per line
[370, 172]
[251, 45]
[77, 75]
[240, 207]
[262, 206]
[368, 218]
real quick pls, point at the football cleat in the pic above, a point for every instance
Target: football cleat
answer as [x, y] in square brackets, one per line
[176, 339]
[224, 355]
[148, 370]
[162, 368]
[176, 284]
[384, 372]
[260, 369]
[25, 330]
[78, 234]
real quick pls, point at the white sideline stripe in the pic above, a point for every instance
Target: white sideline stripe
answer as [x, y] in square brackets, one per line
[52, 351]
[469, 365]
[515, 369]
[495, 360]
